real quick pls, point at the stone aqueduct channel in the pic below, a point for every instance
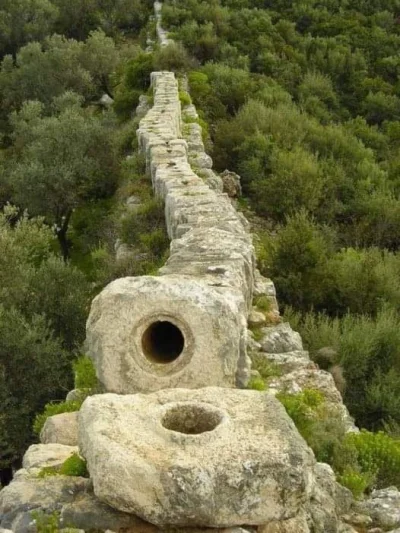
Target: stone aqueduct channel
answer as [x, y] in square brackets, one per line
[175, 441]
[186, 327]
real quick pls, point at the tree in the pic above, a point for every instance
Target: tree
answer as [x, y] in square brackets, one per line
[61, 161]
[297, 173]
[122, 14]
[99, 57]
[22, 21]
[33, 369]
[43, 71]
[43, 306]
[76, 17]
[298, 259]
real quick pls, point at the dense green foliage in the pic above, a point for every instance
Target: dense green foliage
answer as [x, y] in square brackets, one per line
[85, 374]
[22, 21]
[62, 165]
[43, 305]
[303, 101]
[362, 461]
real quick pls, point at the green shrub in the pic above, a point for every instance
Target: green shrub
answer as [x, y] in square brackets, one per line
[368, 351]
[125, 102]
[375, 454]
[301, 407]
[74, 466]
[265, 368]
[85, 373]
[138, 70]
[46, 523]
[52, 409]
[156, 241]
[145, 228]
[256, 383]
[322, 428]
[172, 57]
[262, 302]
[355, 481]
[184, 98]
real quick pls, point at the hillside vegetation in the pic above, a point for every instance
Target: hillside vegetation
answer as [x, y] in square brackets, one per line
[303, 101]
[62, 173]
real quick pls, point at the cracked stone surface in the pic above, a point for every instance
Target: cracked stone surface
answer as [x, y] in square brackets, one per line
[209, 457]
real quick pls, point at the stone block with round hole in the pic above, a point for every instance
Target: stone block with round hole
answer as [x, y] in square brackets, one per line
[150, 333]
[209, 457]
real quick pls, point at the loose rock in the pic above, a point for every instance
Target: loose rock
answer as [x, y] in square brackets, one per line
[383, 507]
[61, 429]
[44, 455]
[280, 338]
[210, 457]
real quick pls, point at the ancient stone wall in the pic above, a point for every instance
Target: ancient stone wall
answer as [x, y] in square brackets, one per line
[199, 303]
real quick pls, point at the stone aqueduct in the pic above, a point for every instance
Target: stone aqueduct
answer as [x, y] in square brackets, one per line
[176, 442]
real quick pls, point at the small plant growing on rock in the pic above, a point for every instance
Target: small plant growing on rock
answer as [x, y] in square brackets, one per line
[74, 466]
[265, 368]
[257, 332]
[256, 383]
[184, 98]
[321, 427]
[356, 482]
[46, 523]
[375, 455]
[263, 303]
[85, 373]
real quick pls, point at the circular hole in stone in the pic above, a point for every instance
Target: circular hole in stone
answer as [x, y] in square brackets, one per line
[191, 419]
[162, 342]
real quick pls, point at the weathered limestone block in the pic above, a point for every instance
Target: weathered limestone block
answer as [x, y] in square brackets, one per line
[90, 514]
[216, 256]
[293, 525]
[289, 361]
[265, 287]
[162, 35]
[313, 378]
[232, 185]
[210, 457]
[383, 506]
[61, 429]
[44, 455]
[106, 101]
[193, 135]
[280, 338]
[256, 318]
[150, 333]
[328, 502]
[77, 395]
[143, 106]
[210, 240]
[27, 493]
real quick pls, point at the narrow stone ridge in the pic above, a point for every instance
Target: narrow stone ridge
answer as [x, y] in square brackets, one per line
[186, 327]
[209, 239]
